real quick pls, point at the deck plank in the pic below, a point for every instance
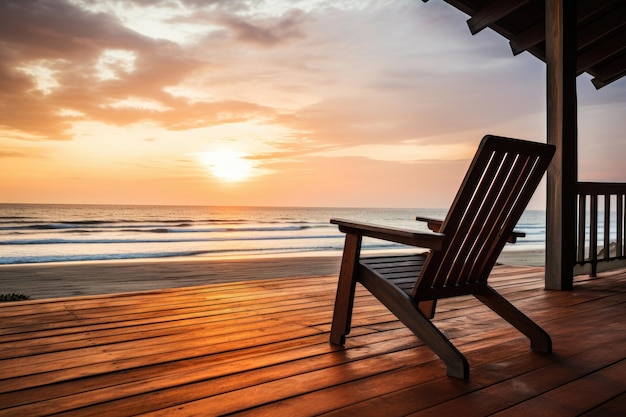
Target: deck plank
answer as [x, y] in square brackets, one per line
[261, 348]
[613, 407]
[582, 393]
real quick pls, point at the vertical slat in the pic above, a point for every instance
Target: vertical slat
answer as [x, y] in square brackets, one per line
[537, 166]
[524, 186]
[619, 249]
[593, 233]
[582, 220]
[477, 183]
[481, 222]
[607, 226]
[497, 213]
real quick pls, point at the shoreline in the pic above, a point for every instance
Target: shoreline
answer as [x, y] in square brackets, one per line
[69, 279]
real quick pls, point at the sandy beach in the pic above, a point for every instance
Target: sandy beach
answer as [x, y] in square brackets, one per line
[54, 280]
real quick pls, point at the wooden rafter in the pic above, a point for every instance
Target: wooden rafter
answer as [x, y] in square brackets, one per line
[492, 13]
[601, 27]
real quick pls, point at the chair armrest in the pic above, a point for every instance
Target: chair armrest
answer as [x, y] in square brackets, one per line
[435, 226]
[432, 224]
[514, 235]
[407, 237]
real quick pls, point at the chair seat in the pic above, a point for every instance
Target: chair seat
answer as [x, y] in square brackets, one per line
[400, 270]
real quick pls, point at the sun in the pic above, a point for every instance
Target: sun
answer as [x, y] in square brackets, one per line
[228, 165]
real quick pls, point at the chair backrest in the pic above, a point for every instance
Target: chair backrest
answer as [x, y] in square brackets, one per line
[497, 188]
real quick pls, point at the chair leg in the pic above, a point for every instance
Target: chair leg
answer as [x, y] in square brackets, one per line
[539, 339]
[409, 313]
[344, 300]
[456, 364]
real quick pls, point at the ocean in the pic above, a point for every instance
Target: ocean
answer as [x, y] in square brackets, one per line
[39, 233]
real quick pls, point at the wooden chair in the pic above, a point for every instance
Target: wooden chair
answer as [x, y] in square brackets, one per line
[497, 187]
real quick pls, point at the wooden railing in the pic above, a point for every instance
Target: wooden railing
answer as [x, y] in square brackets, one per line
[601, 227]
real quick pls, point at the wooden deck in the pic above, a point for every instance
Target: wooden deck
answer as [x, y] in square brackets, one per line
[261, 348]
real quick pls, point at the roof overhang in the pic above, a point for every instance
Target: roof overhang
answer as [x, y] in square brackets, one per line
[601, 31]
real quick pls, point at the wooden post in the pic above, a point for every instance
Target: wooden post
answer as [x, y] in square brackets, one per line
[562, 132]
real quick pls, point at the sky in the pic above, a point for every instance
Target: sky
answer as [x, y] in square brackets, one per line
[342, 103]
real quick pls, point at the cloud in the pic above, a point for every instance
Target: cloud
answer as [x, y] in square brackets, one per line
[326, 69]
[64, 58]
[52, 29]
[13, 154]
[63, 41]
[265, 33]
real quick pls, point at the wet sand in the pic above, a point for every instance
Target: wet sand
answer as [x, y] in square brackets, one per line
[56, 280]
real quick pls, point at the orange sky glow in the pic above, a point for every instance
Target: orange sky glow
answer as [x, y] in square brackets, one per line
[373, 103]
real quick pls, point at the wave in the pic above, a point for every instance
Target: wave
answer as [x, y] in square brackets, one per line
[95, 257]
[149, 228]
[220, 229]
[156, 255]
[57, 241]
[87, 222]
[172, 227]
[22, 220]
